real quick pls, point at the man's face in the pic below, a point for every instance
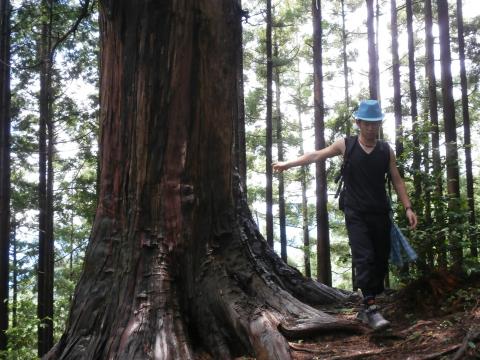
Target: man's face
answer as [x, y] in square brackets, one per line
[369, 129]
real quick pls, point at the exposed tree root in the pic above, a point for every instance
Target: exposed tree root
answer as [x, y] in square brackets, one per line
[472, 336]
[437, 354]
[238, 303]
[303, 328]
[290, 279]
[244, 300]
[241, 300]
[352, 356]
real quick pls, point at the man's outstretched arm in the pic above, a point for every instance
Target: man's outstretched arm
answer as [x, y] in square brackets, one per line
[337, 148]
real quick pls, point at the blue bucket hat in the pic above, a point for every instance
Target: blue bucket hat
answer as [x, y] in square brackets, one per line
[369, 110]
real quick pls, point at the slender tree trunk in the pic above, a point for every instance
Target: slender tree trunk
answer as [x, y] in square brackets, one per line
[453, 184]
[439, 213]
[466, 133]
[72, 245]
[281, 184]
[14, 273]
[417, 181]
[5, 122]
[175, 262]
[324, 271]
[372, 53]
[303, 182]
[397, 94]
[377, 56]
[426, 255]
[304, 171]
[347, 100]
[45, 189]
[269, 128]
[345, 71]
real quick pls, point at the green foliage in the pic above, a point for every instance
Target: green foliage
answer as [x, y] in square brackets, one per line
[74, 108]
[22, 338]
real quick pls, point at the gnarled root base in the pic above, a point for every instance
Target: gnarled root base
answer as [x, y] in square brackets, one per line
[155, 302]
[244, 306]
[246, 300]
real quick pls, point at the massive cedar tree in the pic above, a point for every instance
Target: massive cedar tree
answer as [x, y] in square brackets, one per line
[175, 261]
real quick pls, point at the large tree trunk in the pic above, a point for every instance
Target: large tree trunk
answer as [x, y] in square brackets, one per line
[466, 133]
[451, 151]
[269, 128]
[439, 214]
[175, 261]
[324, 271]
[4, 166]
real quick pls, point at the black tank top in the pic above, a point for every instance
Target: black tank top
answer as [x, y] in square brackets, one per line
[365, 176]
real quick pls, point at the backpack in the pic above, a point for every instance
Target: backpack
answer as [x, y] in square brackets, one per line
[350, 143]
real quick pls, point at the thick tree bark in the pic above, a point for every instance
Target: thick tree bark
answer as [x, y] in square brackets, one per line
[269, 128]
[5, 121]
[175, 261]
[324, 271]
[435, 130]
[466, 133]
[451, 150]
[45, 188]
[372, 53]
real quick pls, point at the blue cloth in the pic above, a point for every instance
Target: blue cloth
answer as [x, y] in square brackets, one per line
[400, 251]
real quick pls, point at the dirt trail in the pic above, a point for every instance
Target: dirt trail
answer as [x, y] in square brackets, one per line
[433, 318]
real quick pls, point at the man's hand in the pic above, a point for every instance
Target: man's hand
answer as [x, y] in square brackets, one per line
[280, 166]
[412, 218]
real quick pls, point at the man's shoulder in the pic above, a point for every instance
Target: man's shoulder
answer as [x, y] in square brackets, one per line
[350, 139]
[384, 145]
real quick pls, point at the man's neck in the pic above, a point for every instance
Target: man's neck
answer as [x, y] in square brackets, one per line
[367, 143]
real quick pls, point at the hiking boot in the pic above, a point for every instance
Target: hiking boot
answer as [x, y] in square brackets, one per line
[372, 317]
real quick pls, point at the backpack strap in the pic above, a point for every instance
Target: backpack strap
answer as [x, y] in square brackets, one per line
[388, 177]
[350, 143]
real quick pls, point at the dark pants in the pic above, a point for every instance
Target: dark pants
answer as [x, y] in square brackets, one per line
[369, 238]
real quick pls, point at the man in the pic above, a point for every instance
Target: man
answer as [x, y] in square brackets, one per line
[366, 204]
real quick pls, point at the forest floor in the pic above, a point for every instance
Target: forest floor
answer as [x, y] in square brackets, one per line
[433, 318]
